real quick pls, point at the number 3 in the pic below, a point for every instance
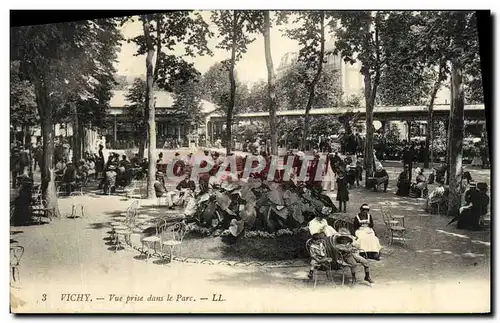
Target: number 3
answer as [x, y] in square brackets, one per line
[44, 297]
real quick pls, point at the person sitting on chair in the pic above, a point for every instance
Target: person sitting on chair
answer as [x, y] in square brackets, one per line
[320, 225]
[363, 230]
[404, 182]
[343, 242]
[317, 251]
[380, 172]
[185, 186]
[419, 188]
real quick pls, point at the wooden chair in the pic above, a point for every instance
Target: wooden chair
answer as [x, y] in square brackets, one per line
[172, 237]
[394, 230]
[16, 252]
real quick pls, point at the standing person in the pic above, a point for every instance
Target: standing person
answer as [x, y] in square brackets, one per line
[342, 191]
[99, 166]
[329, 179]
[408, 159]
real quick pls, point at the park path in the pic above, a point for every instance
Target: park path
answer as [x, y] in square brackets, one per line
[70, 256]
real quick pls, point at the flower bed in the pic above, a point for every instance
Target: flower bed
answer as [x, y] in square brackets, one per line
[251, 246]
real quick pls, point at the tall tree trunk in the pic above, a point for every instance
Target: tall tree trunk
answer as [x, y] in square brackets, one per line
[429, 139]
[368, 159]
[77, 153]
[229, 115]
[449, 137]
[47, 166]
[142, 143]
[457, 137]
[312, 86]
[270, 84]
[151, 110]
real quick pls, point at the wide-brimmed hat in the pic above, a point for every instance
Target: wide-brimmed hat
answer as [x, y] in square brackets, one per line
[472, 184]
[344, 233]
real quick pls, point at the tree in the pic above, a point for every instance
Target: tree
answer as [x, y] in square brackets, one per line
[22, 101]
[373, 38]
[187, 103]
[62, 61]
[217, 87]
[464, 47]
[271, 80]
[161, 32]
[311, 37]
[292, 93]
[235, 27]
[136, 95]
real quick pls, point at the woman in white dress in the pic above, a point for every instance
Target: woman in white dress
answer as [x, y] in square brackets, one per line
[367, 241]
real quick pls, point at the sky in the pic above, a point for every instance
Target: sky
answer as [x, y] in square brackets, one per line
[251, 68]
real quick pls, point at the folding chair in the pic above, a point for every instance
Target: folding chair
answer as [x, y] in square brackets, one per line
[394, 230]
[155, 239]
[16, 252]
[172, 237]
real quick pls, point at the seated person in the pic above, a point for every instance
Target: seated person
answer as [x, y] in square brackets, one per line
[381, 173]
[469, 214]
[161, 190]
[363, 230]
[485, 200]
[419, 188]
[70, 177]
[60, 167]
[183, 190]
[440, 172]
[124, 162]
[437, 200]
[404, 182]
[343, 243]
[320, 225]
[317, 251]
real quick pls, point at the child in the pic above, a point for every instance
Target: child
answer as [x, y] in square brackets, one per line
[359, 172]
[317, 251]
[344, 244]
[342, 191]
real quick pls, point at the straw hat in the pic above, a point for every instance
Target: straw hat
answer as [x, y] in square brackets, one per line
[344, 233]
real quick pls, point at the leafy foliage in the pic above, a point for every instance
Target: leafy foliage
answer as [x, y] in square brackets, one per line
[258, 205]
[217, 88]
[187, 103]
[22, 99]
[292, 92]
[136, 95]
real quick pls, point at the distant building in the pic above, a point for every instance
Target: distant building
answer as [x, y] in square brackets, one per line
[350, 78]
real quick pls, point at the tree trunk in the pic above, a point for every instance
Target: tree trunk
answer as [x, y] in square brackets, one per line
[77, 149]
[457, 137]
[151, 111]
[142, 143]
[47, 167]
[312, 86]
[229, 115]
[449, 137]
[368, 158]
[429, 139]
[270, 84]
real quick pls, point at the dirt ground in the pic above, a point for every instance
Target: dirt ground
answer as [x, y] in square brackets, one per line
[72, 256]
